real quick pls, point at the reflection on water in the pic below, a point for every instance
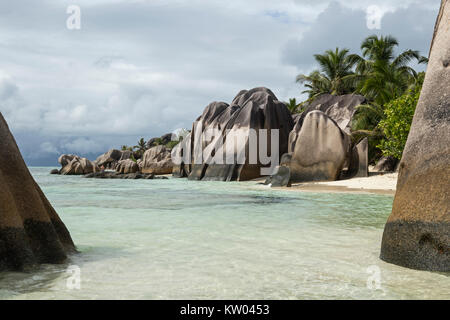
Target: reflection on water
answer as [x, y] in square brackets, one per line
[156, 239]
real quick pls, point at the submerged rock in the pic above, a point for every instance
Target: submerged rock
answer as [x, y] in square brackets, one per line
[280, 178]
[31, 231]
[54, 171]
[321, 149]
[117, 175]
[417, 233]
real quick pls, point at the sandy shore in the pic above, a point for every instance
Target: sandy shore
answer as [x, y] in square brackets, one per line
[381, 183]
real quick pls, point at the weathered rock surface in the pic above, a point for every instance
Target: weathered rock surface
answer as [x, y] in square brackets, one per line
[339, 108]
[110, 159]
[417, 233]
[77, 165]
[164, 139]
[321, 149]
[280, 178]
[359, 161]
[74, 165]
[157, 160]
[181, 169]
[31, 232]
[64, 159]
[253, 109]
[386, 164]
[127, 166]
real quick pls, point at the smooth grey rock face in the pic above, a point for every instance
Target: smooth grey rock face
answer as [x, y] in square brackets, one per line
[280, 178]
[417, 233]
[359, 161]
[182, 169]
[256, 109]
[321, 149]
[339, 108]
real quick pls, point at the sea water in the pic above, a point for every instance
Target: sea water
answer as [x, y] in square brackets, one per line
[180, 239]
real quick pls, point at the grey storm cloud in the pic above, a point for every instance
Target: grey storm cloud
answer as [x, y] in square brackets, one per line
[339, 26]
[142, 68]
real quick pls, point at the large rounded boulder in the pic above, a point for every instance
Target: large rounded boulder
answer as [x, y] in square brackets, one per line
[77, 165]
[111, 158]
[31, 232]
[321, 149]
[417, 233]
[127, 166]
[239, 128]
[339, 108]
[157, 160]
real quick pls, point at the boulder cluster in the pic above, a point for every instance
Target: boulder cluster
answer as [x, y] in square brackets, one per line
[314, 145]
[154, 161]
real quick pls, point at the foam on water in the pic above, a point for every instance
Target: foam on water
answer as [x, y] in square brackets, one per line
[179, 239]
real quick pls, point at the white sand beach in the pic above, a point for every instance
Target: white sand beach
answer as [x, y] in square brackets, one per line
[383, 183]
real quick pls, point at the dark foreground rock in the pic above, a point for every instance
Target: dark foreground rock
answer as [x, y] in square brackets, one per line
[417, 233]
[31, 232]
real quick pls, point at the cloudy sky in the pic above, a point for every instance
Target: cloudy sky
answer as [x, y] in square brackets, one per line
[142, 68]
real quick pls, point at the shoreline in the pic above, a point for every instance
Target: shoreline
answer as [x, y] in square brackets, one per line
[375, 183]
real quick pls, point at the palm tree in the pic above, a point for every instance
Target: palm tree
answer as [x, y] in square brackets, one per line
[292, 105]
[335, 75]
[383, 76]
[141, 146]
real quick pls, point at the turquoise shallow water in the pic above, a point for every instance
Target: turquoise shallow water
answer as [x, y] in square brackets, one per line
[179, 239]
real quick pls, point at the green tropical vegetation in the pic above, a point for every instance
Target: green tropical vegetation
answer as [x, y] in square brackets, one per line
[398, 116]
[141, 146]
[126, 148]
[387, 81]
[292, 105]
